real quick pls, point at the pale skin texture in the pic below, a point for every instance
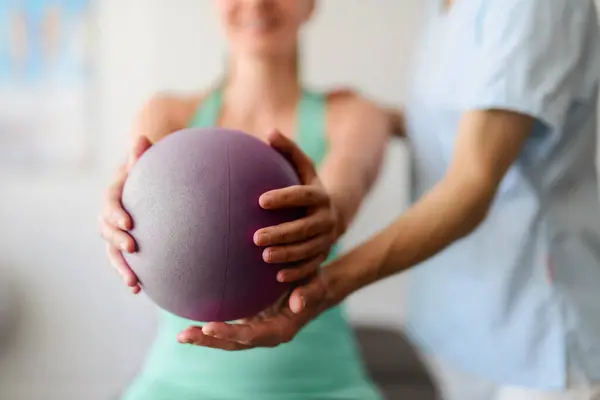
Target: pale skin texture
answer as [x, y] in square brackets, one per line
[260, 95]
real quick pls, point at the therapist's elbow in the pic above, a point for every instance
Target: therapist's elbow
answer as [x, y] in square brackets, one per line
[474, 198]
[475, 218]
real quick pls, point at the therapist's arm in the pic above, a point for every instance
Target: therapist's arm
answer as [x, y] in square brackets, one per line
[488, 143]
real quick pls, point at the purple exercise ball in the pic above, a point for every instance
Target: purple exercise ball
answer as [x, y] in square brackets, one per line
[193, 198]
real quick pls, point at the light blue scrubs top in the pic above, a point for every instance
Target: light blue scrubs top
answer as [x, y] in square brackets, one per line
[518, 301]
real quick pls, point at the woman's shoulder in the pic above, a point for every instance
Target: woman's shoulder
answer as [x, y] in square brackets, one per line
[167, 112]
[346, 97]
[346, 107]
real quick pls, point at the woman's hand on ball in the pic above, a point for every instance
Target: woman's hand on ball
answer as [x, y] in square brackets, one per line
[306, 241]
[115, 221]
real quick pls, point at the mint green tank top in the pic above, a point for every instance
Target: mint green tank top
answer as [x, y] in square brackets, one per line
[321, 363]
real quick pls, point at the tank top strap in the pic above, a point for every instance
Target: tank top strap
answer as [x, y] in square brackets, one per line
[311, 125]
[207, 113]
[310, 120]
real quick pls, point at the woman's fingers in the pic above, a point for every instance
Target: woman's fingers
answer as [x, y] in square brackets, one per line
[140, 145]
[118, 217]
[118, 262]
[113, 212]
[114, 221]
[116, 237]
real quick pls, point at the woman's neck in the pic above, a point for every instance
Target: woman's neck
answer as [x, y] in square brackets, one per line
[270, 86]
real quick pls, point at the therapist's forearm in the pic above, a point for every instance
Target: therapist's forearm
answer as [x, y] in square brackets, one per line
[487, 144]
[450, 211]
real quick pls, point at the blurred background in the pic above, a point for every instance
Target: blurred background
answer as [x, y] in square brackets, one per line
[63, 133]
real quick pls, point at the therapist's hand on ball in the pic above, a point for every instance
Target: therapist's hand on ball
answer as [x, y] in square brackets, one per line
[306, 241]
[115, 222]
[271, 328]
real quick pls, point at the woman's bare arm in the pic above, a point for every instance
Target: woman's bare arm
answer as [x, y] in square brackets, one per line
[358, 133]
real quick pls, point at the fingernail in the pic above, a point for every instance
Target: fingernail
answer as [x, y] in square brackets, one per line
[265, 201]
[209, 332]
[272, 134]
[120, 220]
[275, 133]
[262, 238]
[281, 277]
[184, 339]
[267, 255]
[302, 303]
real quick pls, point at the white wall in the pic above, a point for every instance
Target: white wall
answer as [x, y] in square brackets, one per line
[83, 336]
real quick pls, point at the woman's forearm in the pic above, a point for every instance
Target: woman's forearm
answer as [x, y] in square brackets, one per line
[347, 194]
[450, 211]
[357, 139]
